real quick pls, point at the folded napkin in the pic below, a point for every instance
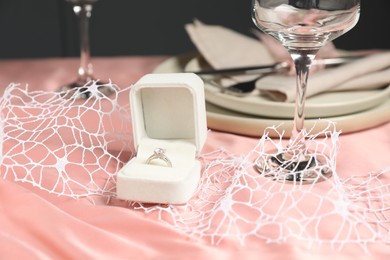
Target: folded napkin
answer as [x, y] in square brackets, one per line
[224, 48]
[367, 73]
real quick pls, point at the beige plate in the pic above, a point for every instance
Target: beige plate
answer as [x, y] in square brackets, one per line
[371, 109]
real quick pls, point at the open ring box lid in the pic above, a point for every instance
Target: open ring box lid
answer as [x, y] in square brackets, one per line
[168, 111]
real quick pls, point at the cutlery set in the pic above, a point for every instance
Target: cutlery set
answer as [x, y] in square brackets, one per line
[247, 87]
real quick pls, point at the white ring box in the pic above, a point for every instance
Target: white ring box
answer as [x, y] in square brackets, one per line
[168, 111]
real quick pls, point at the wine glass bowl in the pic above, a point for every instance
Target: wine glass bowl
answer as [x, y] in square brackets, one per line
[302, 27]
[305, 24]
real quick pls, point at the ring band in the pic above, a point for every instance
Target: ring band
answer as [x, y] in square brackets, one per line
[159, 154]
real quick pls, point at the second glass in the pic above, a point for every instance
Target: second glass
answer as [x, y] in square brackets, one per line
[79, 88]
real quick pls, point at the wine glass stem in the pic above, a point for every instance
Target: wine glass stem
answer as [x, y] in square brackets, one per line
[302, 60]
[83, 11]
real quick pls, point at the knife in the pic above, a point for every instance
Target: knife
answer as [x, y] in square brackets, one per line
[276, 67]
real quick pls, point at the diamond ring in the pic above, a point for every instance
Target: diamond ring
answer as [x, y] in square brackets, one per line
[159, 154]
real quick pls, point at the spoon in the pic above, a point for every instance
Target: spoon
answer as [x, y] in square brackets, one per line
[242, 88]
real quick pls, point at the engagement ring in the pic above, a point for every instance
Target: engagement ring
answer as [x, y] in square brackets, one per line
[159, 154]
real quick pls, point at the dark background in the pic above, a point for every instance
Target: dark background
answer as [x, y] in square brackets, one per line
[48, 28]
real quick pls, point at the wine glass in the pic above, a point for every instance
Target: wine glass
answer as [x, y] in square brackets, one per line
[80, 87]
[302, 27]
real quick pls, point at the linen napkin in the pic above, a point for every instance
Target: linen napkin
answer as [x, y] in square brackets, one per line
[366, 73]
[225, 48]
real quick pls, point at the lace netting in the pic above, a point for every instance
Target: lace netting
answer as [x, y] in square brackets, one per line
[43, 136]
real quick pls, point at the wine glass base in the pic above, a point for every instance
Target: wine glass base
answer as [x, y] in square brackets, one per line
[85, 90]
[280, 166]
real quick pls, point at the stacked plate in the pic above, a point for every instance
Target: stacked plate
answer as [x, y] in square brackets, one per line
[252, 114]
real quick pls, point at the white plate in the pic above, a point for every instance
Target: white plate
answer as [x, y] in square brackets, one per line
[219, 118]
[319, 106]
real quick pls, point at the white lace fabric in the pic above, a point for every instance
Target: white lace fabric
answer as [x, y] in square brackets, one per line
[68, 147]
[75, 148]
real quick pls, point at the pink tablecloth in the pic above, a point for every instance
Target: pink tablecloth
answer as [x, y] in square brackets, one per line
[35, 224]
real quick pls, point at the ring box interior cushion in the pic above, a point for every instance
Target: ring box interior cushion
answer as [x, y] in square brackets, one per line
[168, 112]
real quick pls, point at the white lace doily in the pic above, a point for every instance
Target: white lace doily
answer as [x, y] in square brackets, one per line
[75, 148]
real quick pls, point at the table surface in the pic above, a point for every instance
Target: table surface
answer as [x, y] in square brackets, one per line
[35, 224]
